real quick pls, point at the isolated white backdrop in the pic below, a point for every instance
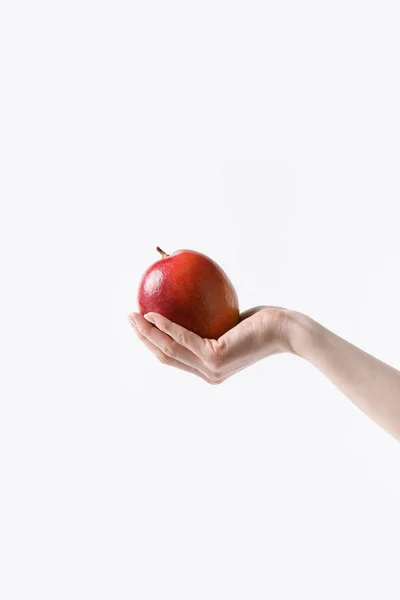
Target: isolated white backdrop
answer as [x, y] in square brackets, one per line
[265, 134]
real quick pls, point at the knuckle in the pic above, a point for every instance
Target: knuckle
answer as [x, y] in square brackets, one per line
[221, 347]
[215, 363]
[215, 356]
[181, 338]
[218, 374]
[163, 358]
[212, 380]
[215, 377]
[166, 328]
[169, 350]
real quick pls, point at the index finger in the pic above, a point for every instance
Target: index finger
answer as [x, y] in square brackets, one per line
[182, 336]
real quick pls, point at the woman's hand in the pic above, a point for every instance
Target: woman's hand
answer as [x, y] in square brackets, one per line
[371, 384]
[261, 332]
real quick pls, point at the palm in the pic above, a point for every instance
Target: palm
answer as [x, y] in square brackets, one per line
[254, 338]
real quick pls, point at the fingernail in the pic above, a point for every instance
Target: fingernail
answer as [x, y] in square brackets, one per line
[149, 319]
[132, 321]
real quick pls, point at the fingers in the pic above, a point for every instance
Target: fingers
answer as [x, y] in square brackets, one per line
[212, 377]
[166, 360]
[168, 346]
[189, 340]
[209, 352]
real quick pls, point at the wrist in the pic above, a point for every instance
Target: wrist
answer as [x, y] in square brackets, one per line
[302, 334]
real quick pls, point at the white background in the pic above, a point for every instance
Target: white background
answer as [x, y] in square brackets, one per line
[266, 135]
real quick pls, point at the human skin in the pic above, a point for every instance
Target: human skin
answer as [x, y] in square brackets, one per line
[372, 385]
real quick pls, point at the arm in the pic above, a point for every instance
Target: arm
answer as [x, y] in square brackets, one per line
[373, 386]
[369, 383]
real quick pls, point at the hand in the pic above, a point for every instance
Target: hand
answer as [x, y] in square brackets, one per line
[261, 332]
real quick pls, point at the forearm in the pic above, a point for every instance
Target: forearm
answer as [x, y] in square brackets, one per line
[369, 383]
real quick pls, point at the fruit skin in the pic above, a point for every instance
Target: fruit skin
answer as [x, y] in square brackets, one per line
[189, 288]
